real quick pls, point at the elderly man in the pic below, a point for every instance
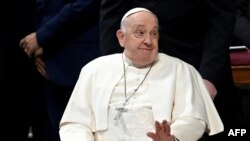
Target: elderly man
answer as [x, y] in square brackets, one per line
[140, 94]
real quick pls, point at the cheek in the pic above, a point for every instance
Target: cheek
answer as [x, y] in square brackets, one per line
[133, 45]
[155, 43]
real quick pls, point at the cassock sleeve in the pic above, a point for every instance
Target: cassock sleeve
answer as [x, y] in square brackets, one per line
[77, 121]
[75, 132]
[188, 129]
[193, 109]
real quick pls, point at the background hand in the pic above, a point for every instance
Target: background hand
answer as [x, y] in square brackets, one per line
[211, 88]
[41, 67]
[29, 44]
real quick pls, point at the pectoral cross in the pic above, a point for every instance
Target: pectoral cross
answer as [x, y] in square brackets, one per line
[120, 111]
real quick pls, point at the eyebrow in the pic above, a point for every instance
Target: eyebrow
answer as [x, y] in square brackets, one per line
[141, 26]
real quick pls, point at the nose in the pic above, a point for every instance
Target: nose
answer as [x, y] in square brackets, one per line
[148, 39]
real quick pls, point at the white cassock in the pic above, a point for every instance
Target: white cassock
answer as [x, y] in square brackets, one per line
[173, 90]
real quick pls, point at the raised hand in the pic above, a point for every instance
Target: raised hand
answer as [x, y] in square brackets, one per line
[162, 132]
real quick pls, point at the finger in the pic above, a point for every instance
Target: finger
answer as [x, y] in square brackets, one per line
[41, 63]
[41, 67]
[39, 70]
[28, 52]
[38, 52]
[24, 44]
[153, 136]
[21, 43]
[42, 72]
[157, 126]
[164, 122]
[166, 127]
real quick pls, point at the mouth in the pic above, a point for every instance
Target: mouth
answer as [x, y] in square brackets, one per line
[146, 48]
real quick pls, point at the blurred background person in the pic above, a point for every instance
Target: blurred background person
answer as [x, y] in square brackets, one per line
[22, 103]
[198, 32]
[66, 37]
[242, 26]
[241, 39]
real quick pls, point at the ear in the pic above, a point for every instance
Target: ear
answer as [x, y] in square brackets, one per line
[121, 37]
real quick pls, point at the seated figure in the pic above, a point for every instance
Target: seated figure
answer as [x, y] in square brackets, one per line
[140, 94]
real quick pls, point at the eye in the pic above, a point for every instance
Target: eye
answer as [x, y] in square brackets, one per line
[139, 33]
[154, 34]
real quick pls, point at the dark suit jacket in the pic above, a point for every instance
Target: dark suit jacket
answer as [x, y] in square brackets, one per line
[242, 26]
[196, 31]
[69, 34]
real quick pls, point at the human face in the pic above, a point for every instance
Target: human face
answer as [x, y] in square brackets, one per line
[140, 38]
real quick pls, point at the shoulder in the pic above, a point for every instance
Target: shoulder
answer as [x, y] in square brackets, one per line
[108, 59]
[175, 62]
[103, 62]
[170, 59]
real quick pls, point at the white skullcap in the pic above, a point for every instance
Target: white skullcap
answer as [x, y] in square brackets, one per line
[134, 10]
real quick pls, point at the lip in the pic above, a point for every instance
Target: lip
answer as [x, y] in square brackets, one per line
[146, 48]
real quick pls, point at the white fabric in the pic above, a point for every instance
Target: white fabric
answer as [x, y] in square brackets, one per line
[134, 10]
[169, 82]
[137, 120]
[132, 126]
